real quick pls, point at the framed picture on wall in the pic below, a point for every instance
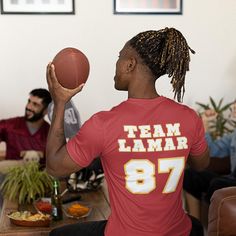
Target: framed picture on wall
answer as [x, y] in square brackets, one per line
[37, 6]
[148, 6]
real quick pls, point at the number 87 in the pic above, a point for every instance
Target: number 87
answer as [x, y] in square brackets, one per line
[140, 174]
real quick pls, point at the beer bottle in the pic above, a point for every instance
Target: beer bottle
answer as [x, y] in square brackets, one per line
[56, 201]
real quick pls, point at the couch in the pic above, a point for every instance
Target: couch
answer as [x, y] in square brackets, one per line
[222, 213]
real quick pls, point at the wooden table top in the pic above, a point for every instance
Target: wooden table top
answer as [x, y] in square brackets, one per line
[97, 199]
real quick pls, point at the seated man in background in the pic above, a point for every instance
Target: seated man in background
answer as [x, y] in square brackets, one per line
[220, 173]
[26, 136]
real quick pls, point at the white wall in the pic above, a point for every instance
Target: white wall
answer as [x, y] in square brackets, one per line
[29, 42]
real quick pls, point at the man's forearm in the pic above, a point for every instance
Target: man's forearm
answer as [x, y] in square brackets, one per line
[56, 138]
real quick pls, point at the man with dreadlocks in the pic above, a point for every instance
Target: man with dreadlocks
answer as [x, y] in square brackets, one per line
[144, 143]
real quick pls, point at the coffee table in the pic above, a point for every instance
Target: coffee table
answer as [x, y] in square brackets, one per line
[97, 199]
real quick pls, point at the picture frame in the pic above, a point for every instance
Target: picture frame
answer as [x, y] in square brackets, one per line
[148, 7]
[37, 7]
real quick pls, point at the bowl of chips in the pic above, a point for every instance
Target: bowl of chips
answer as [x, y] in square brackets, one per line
[29, 219]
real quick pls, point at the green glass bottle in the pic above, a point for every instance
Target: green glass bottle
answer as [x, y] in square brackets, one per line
[56, 201]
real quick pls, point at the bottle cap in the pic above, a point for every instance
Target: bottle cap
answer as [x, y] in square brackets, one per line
[55, 183]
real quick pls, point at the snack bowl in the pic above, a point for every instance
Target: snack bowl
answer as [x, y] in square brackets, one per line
[29, 219]
[43, 205]
[77, 210]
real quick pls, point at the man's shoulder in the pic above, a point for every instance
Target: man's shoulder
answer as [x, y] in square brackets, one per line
[179, 105]
[14, 120]
[179, 108]
[107, 113]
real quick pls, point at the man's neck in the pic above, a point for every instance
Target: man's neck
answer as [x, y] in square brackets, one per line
[142, 83]
[146, 89]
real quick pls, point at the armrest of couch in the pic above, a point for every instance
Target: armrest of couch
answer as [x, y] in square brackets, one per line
[222, 212]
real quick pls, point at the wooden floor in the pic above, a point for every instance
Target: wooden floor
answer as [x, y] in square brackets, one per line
[98, 200]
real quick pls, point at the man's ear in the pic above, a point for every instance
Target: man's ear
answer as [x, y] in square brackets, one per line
[131, 64]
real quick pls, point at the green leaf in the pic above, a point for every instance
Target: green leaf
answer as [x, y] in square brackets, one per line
[213, 104]
[206, 107]
[226, 107]
[220, 103]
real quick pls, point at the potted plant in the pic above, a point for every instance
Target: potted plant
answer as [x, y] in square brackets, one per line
[223, 123]
[26, 183]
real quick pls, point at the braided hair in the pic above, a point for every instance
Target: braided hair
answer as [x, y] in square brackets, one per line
[165, 52]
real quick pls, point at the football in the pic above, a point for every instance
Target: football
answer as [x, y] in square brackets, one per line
[71, 67]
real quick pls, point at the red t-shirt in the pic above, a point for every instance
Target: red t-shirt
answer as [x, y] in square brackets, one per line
[18, 138]
[144, 145]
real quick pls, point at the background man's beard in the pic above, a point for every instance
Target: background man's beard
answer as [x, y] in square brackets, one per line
[35, 117]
